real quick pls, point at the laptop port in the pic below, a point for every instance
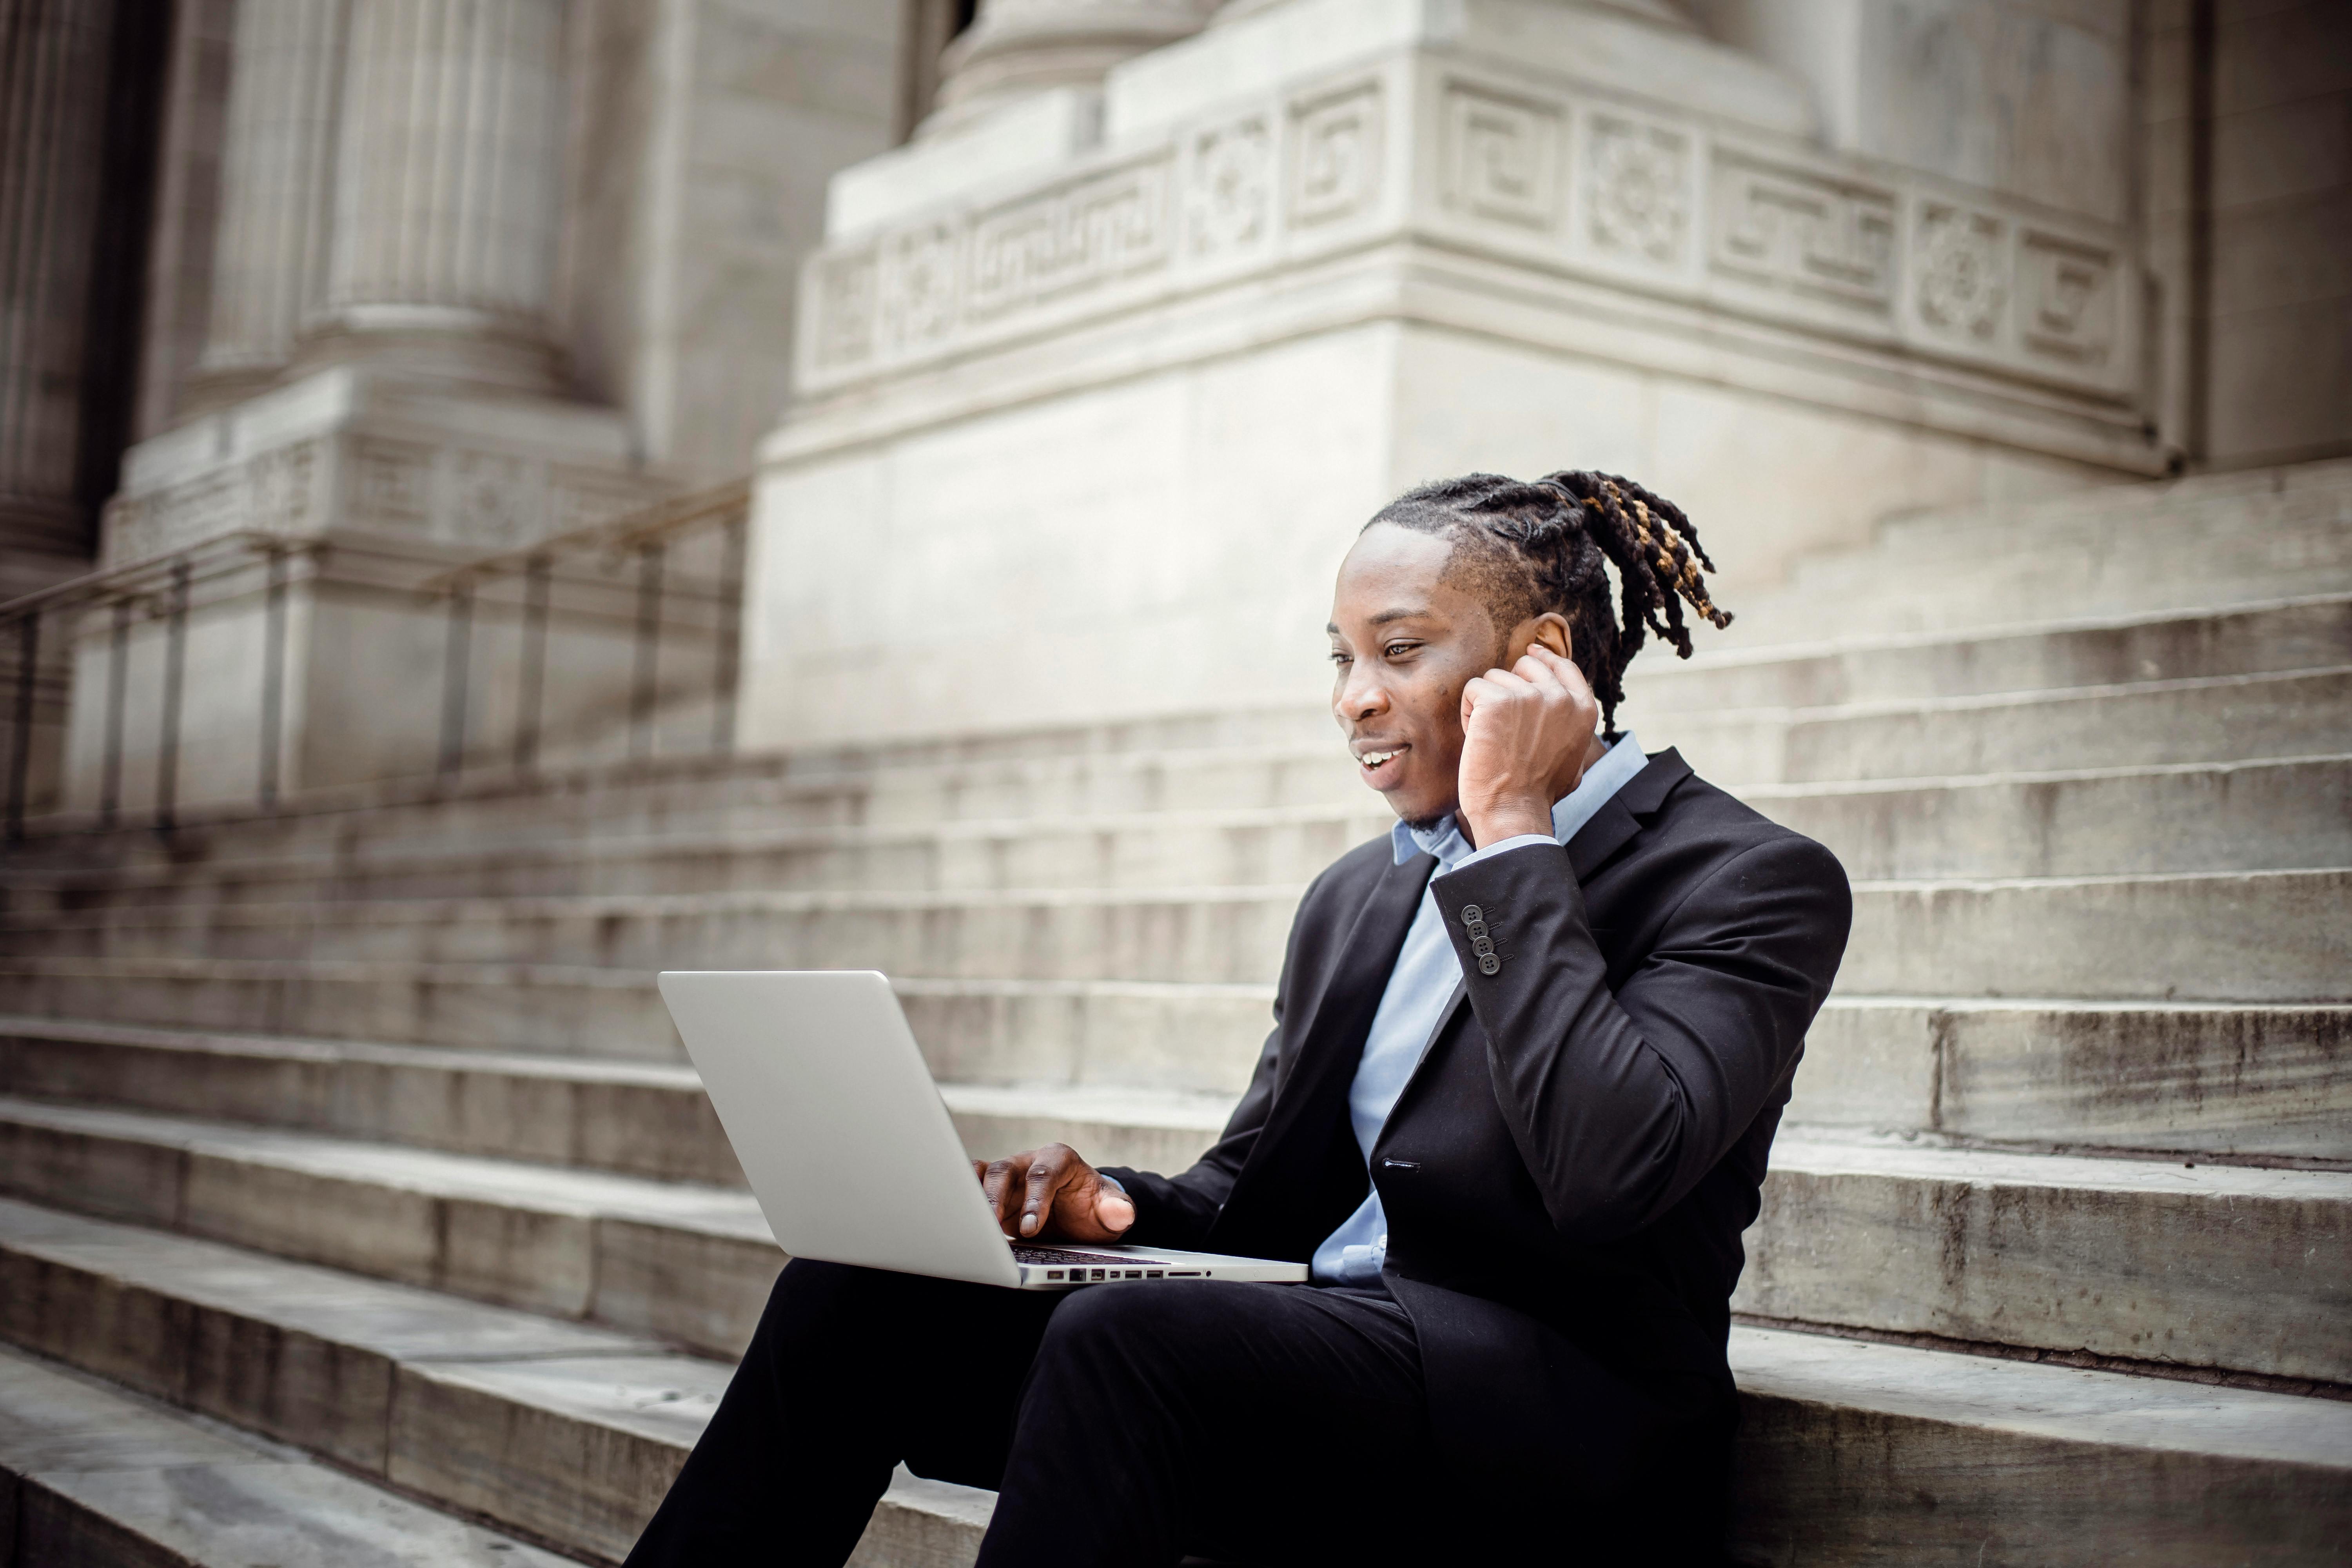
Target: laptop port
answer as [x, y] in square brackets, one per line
[1053, 1274]
[1151, 1273]
[1099, 1273]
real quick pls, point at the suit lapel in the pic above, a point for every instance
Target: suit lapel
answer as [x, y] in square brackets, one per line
[1619, 819]
[1333, 1041]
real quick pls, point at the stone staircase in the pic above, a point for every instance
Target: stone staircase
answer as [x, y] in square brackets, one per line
[353, 1141]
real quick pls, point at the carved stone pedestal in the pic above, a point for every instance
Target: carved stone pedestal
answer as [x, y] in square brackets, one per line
[397, 478]
[1085, 435]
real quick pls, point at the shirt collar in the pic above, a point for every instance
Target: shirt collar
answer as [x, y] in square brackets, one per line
[1601, 781]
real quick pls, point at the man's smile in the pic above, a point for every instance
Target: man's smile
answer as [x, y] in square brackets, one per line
[1373, 759]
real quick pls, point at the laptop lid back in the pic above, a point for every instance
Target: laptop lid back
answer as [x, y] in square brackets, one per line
[822, 1091]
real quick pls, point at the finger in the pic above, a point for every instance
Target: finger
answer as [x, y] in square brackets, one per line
[1495, 686]
[1539, 675]
[1563, 668]
[999, 1185]
[1114, 1210]
[1050, 1170]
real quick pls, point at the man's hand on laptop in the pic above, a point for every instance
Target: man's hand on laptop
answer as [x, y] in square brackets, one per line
[1051, 1195]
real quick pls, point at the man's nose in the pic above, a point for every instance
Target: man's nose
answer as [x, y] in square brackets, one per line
[1361, 696]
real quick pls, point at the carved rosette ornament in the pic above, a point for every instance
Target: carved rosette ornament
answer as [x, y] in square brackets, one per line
[1962, 282]
[1640, 178]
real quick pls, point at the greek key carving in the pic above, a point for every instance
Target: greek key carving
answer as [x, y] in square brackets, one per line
[846, 288]
[1335, 158]
[282, 483]
[394, 484]
[1073, 238]
[1229, 205]
[2066, 300]
[1820, 238]
[1639, 192]
[1963, 282]
[1502, 157]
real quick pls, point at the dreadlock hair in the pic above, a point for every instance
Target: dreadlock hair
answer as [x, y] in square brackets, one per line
[1528, 548]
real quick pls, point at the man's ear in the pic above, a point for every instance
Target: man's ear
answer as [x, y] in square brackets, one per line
[1550, 629]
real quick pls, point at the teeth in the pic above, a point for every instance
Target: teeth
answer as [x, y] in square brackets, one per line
[1374, 758]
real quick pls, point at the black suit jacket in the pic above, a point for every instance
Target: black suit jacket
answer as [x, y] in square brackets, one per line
[1569, 1170]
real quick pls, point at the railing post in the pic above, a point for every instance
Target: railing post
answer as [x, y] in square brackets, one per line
[726, 667]
[118, 677]
[273, 677]
[648, 647]
[20, 756]
[175, 668]
[533, 676]
[456, 658]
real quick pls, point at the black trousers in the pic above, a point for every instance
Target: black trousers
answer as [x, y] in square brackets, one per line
[1119, 1424]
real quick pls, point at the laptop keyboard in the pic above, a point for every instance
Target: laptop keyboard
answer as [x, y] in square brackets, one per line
[1022, 1254]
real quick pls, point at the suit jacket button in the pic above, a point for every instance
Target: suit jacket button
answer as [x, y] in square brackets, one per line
[1471, 914]
[1482, 946]
[1477, 928]
[1488, 963]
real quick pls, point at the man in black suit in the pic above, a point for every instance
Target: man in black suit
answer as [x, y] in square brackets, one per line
[1529, 1054]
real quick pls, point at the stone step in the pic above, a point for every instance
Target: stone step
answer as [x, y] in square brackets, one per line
[2246, 1082]
[568, 1433]
[2184, 1263]
[2305, 633]
[635, 1119]
[102, 1478]
[2195, 817]
[688, 1264]
[2220, 718]
[754, 792]
[1851, 1452]
[2195, 1265]
[2032, 565]
[2132, 519]
[1116, 1032]
[2234, 1081]
[2259, 936]
[1131, 850]
[611, 1013]
[1854, 1452]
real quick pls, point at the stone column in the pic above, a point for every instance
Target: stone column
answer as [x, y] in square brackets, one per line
[448, 191]
[1017, 47]
[277, 179]
[53, 65]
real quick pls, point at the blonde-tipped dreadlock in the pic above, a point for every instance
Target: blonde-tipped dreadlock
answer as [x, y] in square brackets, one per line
[1528, 548]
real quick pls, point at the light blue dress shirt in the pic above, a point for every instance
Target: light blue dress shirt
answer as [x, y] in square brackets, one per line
[1419, 988]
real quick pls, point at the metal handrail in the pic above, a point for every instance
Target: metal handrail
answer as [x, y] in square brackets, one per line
[161, 587]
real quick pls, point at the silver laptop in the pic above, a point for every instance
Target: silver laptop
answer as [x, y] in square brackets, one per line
[818, 1082]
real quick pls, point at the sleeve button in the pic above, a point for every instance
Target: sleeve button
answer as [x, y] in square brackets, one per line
[1471, 914]
[1488, 963]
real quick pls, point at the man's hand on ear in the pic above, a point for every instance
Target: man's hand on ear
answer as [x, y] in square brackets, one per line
[1526, 733]
[1051, 1195]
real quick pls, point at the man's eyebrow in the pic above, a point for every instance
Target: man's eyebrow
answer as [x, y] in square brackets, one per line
[1384, 618]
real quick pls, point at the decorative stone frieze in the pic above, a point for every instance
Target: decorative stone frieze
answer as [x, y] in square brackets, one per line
[379, 458]
[1567, 180]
